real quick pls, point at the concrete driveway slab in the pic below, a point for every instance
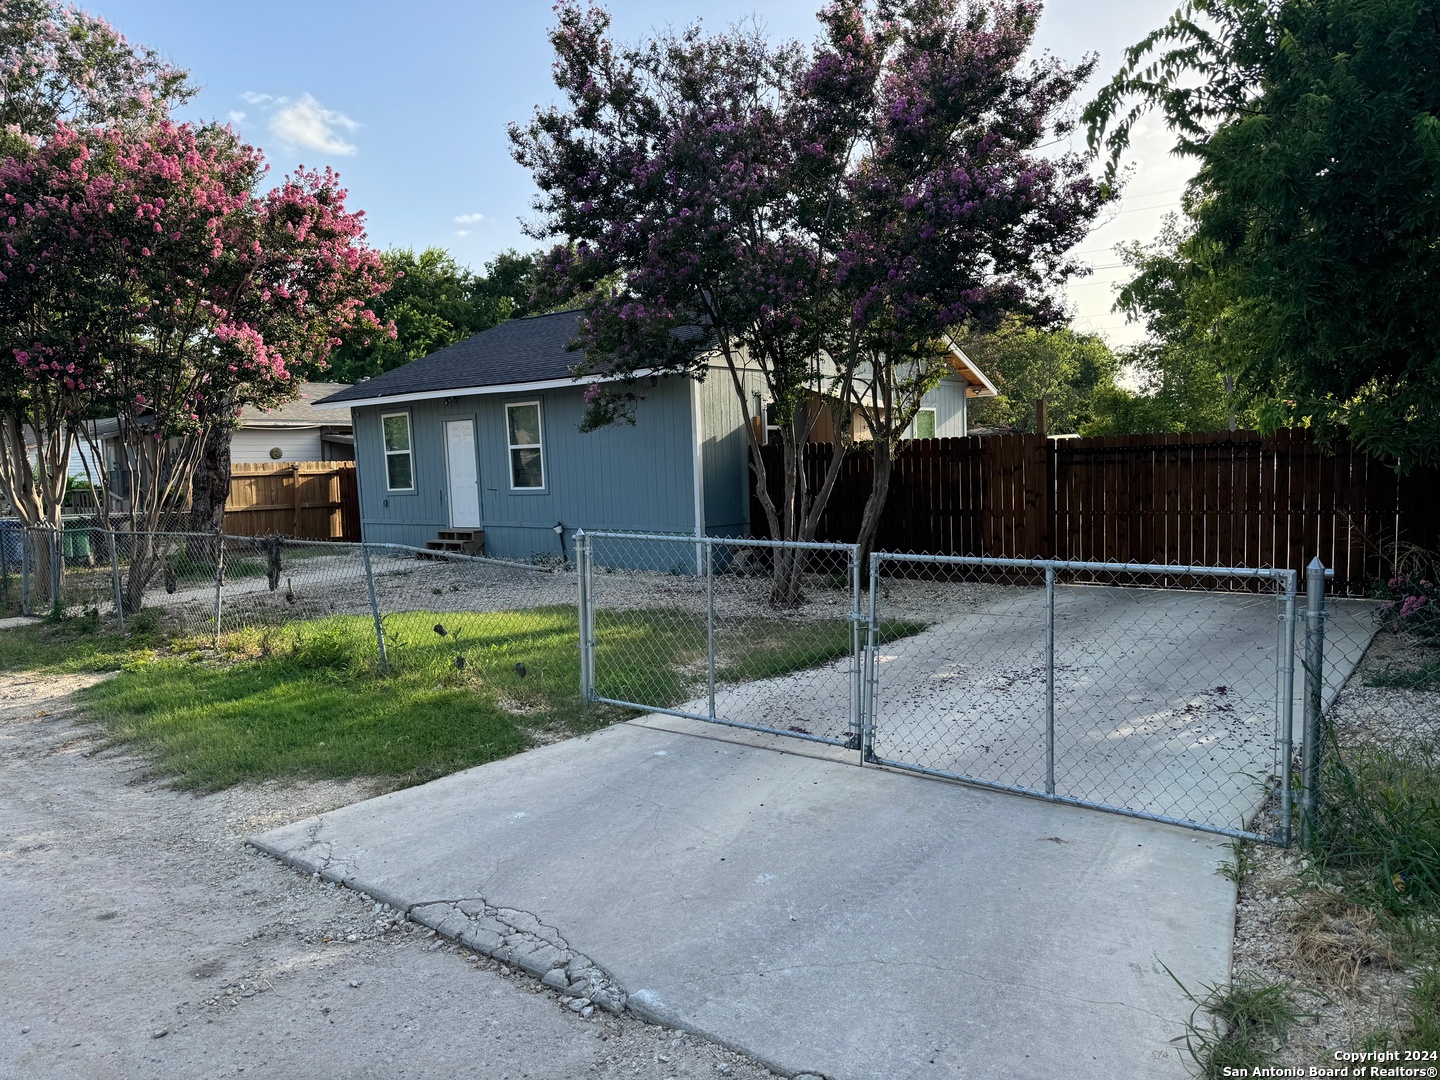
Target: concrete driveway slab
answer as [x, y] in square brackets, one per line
[851, 922]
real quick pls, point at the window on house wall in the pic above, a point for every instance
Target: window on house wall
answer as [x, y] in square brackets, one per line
[527, 464]
[925, 424]
[771, 432]
[399, 458]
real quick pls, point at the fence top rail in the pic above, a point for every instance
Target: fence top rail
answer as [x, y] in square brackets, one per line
[722, 541]
[1276, 573]
[431, 553]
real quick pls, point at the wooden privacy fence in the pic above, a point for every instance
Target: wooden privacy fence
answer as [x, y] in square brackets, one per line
[309, 500]
[1211, 499]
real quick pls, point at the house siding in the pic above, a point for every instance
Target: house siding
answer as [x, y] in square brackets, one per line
[253, 445]
[623, 477]
[725, 452]
[949, 402]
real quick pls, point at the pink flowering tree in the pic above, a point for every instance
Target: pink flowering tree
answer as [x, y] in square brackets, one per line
[144, 277]
[60, 65]
[815, 217]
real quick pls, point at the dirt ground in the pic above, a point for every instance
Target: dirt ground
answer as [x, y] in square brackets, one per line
[1336, 964]
[142, 938]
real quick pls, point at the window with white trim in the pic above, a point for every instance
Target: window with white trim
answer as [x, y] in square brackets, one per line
[924, 424]
[527, 459]
[399, 458]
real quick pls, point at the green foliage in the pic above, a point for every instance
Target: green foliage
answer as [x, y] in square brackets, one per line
[434, 302]
[1246, 1021]
[1180, 368]
[1379, 823]
[1070, 371]
[1316, 239]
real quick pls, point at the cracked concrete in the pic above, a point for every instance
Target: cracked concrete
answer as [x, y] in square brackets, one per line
[824, 919]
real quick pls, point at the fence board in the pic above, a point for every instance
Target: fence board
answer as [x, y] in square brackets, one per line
[1221, 499]
[308, 500]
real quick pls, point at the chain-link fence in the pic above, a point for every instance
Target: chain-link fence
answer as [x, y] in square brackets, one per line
[708, 628]
[1122, 688]
[1141, 690]
[394, 604]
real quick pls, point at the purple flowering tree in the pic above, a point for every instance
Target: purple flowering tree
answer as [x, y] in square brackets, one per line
[949, 214]
[816, 218]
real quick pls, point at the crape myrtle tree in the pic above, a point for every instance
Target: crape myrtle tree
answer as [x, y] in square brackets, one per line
[819, 217]
[949, 215]
[143, 276]
[59, 65]
[686, 186]
[1316, 221]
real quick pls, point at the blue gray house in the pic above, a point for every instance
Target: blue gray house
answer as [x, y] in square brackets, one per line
[479, 444]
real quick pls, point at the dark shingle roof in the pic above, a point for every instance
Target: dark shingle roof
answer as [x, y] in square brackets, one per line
[526, 350]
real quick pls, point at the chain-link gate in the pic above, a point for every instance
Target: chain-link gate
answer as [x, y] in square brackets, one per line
[1132, 689]
[752, 634]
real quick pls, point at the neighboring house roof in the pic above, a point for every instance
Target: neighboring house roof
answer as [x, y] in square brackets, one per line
[976, 383]
[529, 353]
[300, 413]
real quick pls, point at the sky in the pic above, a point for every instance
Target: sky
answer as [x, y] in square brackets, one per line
[409, 103]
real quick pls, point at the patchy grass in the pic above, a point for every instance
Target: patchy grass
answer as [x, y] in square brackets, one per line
[1378, 854]
[1237, 1027]
[1379, 827]
[1424, 675]
[308, 698]
[69, 647]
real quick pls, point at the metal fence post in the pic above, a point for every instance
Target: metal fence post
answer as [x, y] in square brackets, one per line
[25, 571]
[57, 553]
[219, 581]
[1287, 704]
[1312, 737]
[115, 581]
[710, 621]
[869, 691]
[857, 717]
[1049, 678]
[375, 608]
[584, 558]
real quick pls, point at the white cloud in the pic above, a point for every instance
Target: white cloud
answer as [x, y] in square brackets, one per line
[303, 123]
[236, 116]
[462, 232]
[308, 125]
[469, 219]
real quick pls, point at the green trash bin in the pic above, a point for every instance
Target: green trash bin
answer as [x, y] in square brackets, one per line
[75, 543]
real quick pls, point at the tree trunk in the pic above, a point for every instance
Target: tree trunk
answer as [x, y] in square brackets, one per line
[882, 457]
[209, 492]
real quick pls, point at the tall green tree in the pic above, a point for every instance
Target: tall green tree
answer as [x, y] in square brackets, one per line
[1180, 367]
[434, 302]
[1316, 124]
[1067, 369]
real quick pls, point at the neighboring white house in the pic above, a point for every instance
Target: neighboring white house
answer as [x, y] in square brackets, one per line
[295, 431]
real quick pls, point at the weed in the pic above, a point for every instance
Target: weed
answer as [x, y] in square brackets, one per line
[1424, 676]
[1379, 823]
[1245, 1024]
[1337, 940]
[1243, 864]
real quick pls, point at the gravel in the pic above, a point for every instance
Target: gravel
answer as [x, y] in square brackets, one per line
[143, 938]
[1275, 893]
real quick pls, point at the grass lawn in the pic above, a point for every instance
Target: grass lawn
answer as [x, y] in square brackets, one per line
[308, 699]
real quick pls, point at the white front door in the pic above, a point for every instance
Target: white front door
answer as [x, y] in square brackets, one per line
[460, 468]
